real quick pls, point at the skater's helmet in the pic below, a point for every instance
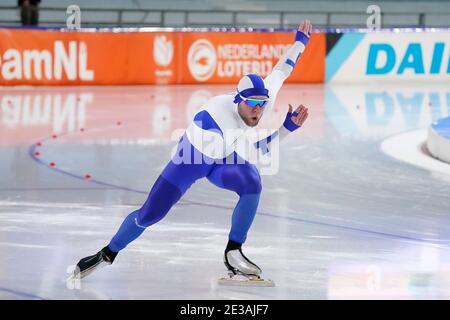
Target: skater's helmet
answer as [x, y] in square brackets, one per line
[250, 85]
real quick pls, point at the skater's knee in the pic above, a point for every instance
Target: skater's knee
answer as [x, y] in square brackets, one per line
[149, 215]
[242, 179]
[161, 198]
[255, 186]
[146, 219]
[249, 184]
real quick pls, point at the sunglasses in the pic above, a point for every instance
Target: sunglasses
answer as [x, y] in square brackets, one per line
[255, 102]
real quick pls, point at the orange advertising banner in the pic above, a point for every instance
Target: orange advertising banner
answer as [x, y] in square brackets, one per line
[52, 57]
[226, 57]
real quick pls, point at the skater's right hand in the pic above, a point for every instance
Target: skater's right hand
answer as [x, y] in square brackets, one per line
[295, 120]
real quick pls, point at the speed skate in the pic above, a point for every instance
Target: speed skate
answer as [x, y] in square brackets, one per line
[244, 280]
[242, 271]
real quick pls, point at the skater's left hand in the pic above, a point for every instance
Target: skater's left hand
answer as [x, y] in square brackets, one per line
[305, 27]
[303, 32]
[295, 120]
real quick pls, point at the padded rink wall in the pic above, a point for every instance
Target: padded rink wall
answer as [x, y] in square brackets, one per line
[438, 140]
[149, 56]
[123, 56]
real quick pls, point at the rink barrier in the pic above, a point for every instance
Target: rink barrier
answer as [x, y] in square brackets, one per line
[123, 56]
[438, 140]
[62, 57]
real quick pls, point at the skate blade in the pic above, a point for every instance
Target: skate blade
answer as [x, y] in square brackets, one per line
[239, 280]
[77, 275]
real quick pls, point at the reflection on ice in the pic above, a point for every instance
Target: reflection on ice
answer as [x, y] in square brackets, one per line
[378, 111]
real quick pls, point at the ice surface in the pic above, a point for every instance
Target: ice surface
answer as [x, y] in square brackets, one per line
[341, 219]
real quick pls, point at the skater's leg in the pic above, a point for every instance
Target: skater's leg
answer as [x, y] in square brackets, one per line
[242, 218]
[170, 186]
[161, 198]
[176, 178]
[128, 231]
[244, 179]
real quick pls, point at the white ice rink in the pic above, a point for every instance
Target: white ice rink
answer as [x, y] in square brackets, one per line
[342, 218]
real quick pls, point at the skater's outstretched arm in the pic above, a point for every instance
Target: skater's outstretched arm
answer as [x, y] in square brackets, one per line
[286, 64]
[293, 121]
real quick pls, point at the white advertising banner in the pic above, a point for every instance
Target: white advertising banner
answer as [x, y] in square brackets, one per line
[390, 56]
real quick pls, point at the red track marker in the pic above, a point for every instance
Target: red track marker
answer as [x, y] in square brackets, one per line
[87, 177]
[54, 136]
[37, 154]
[52, 164]
[38, 144]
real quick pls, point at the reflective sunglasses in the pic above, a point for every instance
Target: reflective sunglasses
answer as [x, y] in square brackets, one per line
[255, 102]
